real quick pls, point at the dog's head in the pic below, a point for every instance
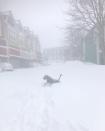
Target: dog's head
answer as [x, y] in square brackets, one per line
[45, 77]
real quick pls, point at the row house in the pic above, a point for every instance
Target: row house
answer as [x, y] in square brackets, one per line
[18, 45]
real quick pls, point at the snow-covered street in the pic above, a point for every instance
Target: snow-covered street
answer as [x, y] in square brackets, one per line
[77, 103]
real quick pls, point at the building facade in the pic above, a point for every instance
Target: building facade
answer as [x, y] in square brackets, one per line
[56, 54]
[18, 45]
[92, 50]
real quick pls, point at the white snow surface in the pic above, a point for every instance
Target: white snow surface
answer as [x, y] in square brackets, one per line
[77, 103]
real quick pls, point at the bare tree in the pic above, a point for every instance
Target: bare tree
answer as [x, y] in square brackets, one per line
[88, 14]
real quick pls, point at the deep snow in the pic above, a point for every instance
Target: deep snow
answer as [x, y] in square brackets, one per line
[75, 104]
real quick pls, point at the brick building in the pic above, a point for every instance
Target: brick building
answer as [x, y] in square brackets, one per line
[18, 45]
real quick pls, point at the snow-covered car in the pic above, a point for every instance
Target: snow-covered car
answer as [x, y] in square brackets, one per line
[6, 67]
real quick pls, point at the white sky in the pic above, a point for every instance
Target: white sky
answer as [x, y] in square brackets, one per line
[44, 17]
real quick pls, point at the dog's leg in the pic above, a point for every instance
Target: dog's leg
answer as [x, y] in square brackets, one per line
[45, 84]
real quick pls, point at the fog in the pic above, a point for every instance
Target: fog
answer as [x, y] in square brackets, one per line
[45, 17]
[56, 89]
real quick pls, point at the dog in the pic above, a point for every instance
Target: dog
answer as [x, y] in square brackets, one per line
[50, 81]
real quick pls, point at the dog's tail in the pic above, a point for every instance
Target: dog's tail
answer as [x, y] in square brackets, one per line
[59, 77]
